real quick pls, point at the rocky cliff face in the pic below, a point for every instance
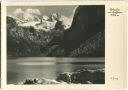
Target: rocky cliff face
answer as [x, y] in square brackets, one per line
[86, 36]
[87, 22]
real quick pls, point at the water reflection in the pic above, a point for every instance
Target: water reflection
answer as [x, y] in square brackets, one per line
[23, 68]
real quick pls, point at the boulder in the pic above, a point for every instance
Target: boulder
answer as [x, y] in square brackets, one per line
[98, 77]
[40, 81]
[83, 76]
[66, 77]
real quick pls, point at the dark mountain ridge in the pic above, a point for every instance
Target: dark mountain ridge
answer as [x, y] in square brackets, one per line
[87, 30]
[87, 21]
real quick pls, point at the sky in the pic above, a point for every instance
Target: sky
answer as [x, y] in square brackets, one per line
[43, 10]
[29, 13]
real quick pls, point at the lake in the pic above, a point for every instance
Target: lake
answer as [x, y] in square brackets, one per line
[20, 69]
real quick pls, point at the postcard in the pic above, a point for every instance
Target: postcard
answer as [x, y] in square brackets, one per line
[50, 45]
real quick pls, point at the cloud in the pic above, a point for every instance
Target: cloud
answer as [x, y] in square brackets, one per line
[28, 14]
[33, 11]
[32, 14]
[18, 11]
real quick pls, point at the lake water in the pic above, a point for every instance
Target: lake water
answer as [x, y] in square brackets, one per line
[20, 69]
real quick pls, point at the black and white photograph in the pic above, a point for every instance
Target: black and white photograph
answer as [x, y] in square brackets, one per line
[55, 44]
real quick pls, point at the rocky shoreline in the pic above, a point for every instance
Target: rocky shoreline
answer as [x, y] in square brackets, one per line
[82, 76]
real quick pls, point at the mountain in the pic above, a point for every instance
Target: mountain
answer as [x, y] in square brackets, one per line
[43, 22]
[27, 40]
[87, 22]
[93, 47]
[84, 38]
[38, 22]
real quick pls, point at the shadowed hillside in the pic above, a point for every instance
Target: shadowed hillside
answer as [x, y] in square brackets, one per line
[86, 35]
[87, 22]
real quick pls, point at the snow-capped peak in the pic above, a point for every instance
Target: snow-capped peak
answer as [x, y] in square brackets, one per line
[33, 17]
